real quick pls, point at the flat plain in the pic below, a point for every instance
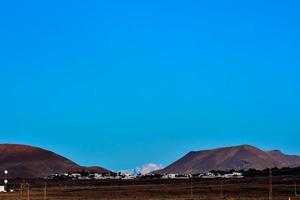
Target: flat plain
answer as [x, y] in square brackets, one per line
[244, 189]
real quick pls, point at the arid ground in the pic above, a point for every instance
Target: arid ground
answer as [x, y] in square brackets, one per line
[248, 188]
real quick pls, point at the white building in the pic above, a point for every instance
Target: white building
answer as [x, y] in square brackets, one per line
[76, 175]
[128, 176]
[2, 188]
[169, 176]
[98, 176]
[211, 175]
[234, 175]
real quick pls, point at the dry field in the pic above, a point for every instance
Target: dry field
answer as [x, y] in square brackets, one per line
[245, 189]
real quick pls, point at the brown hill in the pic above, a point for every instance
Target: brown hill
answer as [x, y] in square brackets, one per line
[237, 157]
[31, 162]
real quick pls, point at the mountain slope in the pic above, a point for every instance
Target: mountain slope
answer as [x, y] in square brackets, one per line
[31, 162]
[237, 157]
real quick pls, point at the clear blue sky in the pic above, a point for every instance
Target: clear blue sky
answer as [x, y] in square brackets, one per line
[122, 83]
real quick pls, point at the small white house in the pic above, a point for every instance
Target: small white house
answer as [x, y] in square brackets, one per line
[98, 176]
[234, 175]
[169, 176]
[2, 188]
[209, 175]
[128, 176]
[76, 175]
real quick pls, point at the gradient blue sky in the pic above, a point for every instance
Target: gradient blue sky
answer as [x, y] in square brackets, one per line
[122, 83]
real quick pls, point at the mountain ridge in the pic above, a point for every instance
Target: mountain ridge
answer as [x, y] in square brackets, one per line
[241, 157]
[25, 161]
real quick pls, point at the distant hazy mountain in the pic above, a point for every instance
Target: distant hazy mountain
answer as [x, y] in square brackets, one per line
[31, 162]
[237, 157]
[144, 169]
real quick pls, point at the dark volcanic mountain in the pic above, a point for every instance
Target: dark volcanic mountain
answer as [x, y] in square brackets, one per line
[31, 162]
[238, 157]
